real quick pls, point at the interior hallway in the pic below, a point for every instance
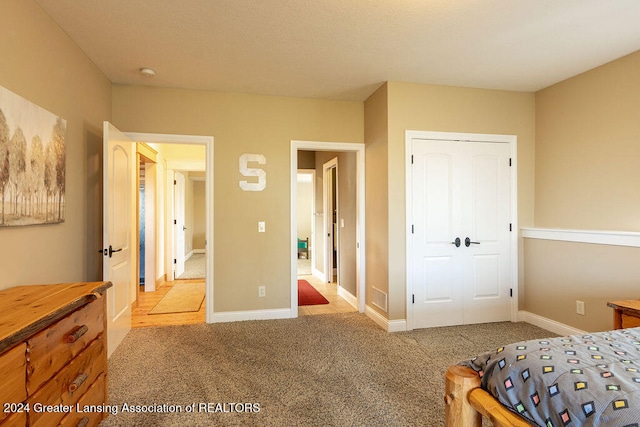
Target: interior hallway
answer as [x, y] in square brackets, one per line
[141, 318]
[337, 304]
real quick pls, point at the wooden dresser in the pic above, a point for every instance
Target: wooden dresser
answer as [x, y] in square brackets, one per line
[53, 358]
[626, 314]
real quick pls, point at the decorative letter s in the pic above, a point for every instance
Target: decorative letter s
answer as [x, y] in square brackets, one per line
[247, 171]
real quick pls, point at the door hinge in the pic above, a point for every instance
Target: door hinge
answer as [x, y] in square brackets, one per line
[413, 298]
[176, 182]
[511, 292]
[509, 161]
[412, 228]
[175, 261]
[412, 159]
[510, 227]
[175, 222]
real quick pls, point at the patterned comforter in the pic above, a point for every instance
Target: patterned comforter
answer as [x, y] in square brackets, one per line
[579, 380]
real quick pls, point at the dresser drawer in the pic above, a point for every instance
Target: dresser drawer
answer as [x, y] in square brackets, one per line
[89, 405]
[12, 387]
[66, 387]
[53, 347]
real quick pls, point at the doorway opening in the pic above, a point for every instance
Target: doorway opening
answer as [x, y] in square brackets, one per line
[335, 246]
[305, 220]
[163, 298]
[189, 206]
[146, 218]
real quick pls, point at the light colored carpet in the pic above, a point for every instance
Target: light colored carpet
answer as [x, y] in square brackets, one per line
[325, 370]
[194, 267]
[181, 298]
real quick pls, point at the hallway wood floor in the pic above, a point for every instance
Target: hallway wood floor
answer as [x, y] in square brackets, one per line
[141, 318]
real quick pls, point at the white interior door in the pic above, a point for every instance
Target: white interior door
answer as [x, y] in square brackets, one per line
[119, 265]
[180, 228]
[460, 241]
[487, 242]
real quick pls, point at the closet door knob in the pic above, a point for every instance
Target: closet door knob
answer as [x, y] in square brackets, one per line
[457, 242]
[468, 242]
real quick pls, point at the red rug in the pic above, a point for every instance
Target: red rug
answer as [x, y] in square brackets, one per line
[308, 295]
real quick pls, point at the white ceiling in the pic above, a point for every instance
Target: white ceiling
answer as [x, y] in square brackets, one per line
[345, 49]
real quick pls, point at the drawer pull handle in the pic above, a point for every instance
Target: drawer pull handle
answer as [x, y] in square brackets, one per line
[84, 422]
[77, 333]
[80, 379]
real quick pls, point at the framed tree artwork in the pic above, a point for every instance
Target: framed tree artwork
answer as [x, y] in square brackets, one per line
[32, 163]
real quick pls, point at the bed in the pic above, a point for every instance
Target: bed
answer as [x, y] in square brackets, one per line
[578, 380]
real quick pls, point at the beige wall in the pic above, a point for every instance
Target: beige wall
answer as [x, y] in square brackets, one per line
[199, 215]
[587, 175]
[559, 273]
[376, 192]
[306, 159]
[587, 149]
[244, 258]
[445, 109]
[347, 203]
[41, 64]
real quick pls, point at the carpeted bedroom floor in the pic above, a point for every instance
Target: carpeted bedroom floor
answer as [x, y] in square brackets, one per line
[326, 370]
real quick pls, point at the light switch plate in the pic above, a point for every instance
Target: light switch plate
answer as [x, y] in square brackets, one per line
[261, 227]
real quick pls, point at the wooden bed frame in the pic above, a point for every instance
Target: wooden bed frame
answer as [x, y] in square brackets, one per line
[466, 403]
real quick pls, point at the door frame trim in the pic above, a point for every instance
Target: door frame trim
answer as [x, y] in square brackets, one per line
[312, 237]
[359, 149]
[208, 142]
[512, 140]
[328, 221]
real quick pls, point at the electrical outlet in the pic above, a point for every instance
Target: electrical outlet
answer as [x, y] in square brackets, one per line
[262, 291]
[580, 307]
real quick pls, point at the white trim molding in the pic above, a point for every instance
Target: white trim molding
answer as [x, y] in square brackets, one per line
[548, 324]
[348, 296]
[385, 324]
[236, 316]
[599, 237]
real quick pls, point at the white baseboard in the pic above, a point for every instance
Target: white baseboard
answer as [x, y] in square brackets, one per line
[318, 274]
[387, 325]
[199, 251]
[548, 324]
[348, 297]
[397, 325]
[376, 317]
[235, 316]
